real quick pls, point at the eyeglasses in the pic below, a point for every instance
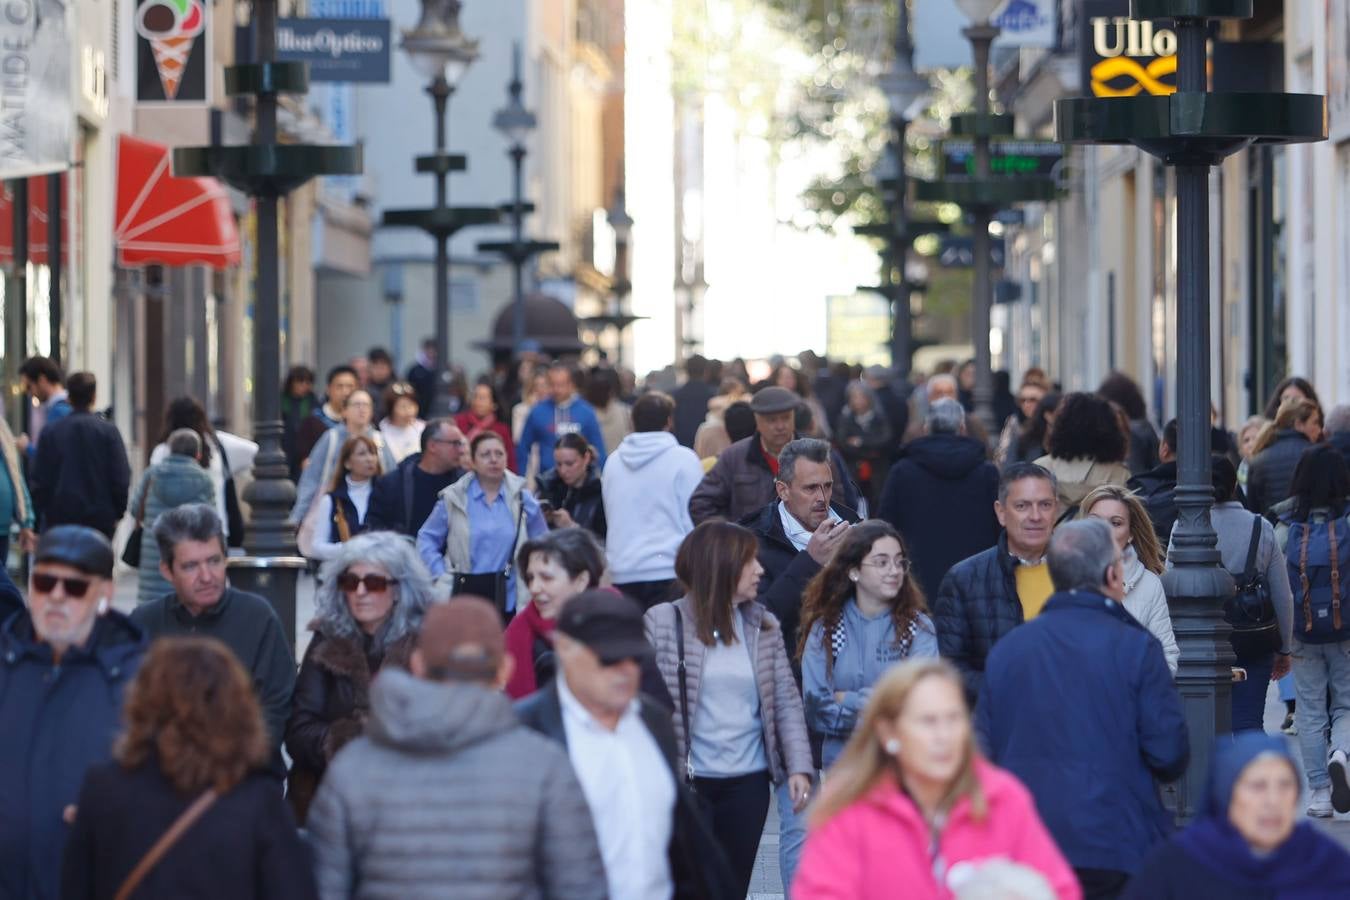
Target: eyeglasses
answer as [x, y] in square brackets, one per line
[882, 563]
[74, 587]
[375, 584]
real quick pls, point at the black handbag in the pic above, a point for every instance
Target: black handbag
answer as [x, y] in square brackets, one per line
[131, 553]
[491, 586]
[1251, 610]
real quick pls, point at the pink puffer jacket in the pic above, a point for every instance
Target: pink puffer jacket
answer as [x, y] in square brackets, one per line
[879, 847]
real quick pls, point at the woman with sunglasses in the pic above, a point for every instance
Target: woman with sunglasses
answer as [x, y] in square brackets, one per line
[861, 615]
[341, 513]
[401, 427]
[369, 605]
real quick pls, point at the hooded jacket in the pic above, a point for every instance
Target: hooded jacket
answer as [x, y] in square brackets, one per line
[940, 496]
[448, 795]
[175, 482]
[59, 720]
[647, 484]
[881, 842]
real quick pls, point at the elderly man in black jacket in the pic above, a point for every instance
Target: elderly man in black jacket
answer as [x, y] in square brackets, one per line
[622, 745]
[941, 495]
[991, 593]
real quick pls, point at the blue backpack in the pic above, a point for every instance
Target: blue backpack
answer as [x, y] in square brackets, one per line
[1316, 554]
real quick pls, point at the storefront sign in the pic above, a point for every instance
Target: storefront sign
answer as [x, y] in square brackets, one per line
[1019, 159]
[348, 50]
[1124, 57]
[172, 46]
[35, 88]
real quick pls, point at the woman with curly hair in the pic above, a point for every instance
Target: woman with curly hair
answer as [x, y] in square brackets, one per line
[1086, 448]
[369, 605]
[1142, 556]
[861, 615]
[194, 753]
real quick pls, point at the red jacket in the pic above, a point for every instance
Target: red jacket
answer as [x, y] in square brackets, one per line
[879, 847]
[472, 426]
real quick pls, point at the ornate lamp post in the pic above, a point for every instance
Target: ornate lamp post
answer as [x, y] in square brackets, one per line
[620, 286]
[1194, 130]
[440, 51]
[515, 123]
[267, 170]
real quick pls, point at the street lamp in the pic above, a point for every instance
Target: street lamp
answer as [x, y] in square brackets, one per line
[981, 35]
[622, 223]
[441, 52]
[904, 89]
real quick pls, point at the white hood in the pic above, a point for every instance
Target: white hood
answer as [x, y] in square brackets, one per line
[639, 449]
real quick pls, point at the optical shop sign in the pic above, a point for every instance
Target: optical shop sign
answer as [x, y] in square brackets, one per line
[1124, 57]
[346, 50]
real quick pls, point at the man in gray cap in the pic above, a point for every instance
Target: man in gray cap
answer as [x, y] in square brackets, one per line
[741, 482]
[65, 660]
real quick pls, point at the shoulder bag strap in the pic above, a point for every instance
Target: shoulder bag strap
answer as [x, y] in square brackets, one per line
[1249, 571]
[140, 513]
[684, 699]
[165, 843]
[1303, 579]
[224, 460]
[515, 539]
[1335, 581]
[340, 518]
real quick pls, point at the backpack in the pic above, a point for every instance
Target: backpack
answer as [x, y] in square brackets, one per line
[1316, 554]
[1251, 610]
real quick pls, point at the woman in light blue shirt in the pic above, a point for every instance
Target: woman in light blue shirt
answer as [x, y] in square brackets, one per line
[861, 615]
[481, 520]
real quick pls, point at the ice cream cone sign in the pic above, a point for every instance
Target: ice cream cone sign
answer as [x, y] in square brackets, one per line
[171, 27]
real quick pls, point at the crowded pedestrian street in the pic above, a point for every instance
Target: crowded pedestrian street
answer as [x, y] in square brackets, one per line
[675, 450]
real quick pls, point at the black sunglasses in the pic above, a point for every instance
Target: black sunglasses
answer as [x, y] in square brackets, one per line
[375, 584]
[74, 587]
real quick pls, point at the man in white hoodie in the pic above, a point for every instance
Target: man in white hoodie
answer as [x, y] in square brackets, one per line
[646, 487]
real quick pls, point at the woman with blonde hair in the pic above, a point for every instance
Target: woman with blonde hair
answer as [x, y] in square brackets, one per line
[1142, 557]
[911, 802]
[193, 757]
[1270, 470]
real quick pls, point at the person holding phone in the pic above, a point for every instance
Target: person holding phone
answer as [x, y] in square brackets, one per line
[569, 493]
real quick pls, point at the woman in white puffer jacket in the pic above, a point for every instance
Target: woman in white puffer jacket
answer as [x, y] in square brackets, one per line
[1133, 530]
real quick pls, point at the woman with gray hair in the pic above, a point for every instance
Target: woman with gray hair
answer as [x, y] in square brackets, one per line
[177, 481]
[369, 604]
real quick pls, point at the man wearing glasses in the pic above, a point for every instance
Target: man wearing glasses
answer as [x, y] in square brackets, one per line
[402, 499]
[65, 661]
[192, 559]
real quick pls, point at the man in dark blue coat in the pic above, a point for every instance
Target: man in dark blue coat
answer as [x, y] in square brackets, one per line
[1080, 706]
[65, 661]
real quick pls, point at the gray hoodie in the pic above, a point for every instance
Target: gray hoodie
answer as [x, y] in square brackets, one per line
[447, 795]
[866, 649]
[646, 488]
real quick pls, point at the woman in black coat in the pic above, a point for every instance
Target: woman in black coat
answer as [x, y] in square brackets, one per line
[570, 491]
[1270, 472]
[368, 608]
[194, 735]
[1250, 843]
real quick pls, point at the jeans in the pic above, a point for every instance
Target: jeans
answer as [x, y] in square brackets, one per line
[1249, 697]
[791, 833]
[1317, 669]
[1287, 690]
[736, 809]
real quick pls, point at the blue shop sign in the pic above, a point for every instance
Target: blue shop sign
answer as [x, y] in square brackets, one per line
[352, 50]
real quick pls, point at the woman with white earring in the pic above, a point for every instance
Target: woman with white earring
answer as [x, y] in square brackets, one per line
[911, 802]
[1143, 558]
[861, 615]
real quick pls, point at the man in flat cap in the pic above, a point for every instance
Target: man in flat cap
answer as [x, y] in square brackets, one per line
[447, 794]
[65, 660]
[741, 483]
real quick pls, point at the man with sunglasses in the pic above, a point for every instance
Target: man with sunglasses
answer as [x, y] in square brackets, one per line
[402, 499]
[65, 661]
[192, 556]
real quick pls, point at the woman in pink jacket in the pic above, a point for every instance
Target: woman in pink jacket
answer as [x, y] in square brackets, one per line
[911, 810]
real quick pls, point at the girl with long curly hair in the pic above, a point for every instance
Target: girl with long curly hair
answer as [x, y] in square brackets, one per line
[861, 615]
[194, 744]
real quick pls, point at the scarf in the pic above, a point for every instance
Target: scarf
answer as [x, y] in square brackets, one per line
[1307, 865]
[476, 425]
[11, 452]
[525, 628]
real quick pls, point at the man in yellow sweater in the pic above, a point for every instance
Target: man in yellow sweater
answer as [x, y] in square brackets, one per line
[986, 596]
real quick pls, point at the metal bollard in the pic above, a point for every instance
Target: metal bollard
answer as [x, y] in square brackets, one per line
[273, 577]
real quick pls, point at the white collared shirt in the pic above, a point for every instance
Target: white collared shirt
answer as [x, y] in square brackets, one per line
[631, 794]
[797, 534]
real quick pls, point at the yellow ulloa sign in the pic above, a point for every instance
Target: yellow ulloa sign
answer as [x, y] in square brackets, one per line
[1124, 57]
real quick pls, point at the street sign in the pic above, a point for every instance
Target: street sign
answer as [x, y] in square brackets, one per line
[1018, 159]
[959, 253]
[343, 50]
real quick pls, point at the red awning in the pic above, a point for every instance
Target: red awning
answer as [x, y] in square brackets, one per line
[37, 221]
[169, 221]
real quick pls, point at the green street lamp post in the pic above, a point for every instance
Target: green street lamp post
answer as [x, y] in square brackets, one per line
[439, 50]
[1194, 130]
[267, 170]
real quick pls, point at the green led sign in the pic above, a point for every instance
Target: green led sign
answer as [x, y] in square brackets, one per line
[1015, 159]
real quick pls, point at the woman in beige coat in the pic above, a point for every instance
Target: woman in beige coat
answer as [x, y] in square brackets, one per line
[1087, 450]
[738, 716]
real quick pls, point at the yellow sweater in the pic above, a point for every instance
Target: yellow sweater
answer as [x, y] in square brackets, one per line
[1033, 589]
